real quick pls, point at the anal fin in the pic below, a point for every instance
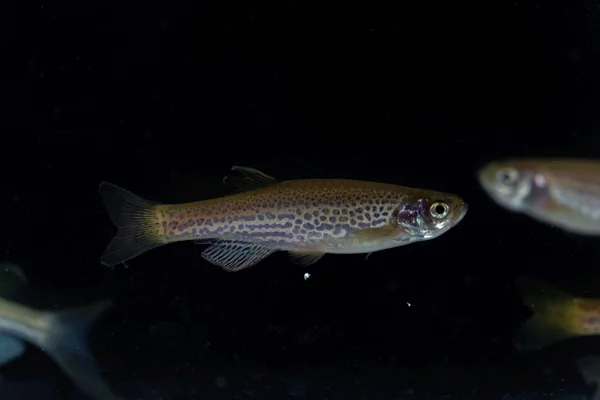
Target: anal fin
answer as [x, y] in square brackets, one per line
[11, 348]
[305, 258]
[234, 256]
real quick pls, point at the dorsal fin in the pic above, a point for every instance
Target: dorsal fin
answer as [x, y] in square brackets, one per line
[250, 179]
[12, 279]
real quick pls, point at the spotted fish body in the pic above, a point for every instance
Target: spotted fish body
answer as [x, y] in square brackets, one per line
[311, 214]
[562, 192]
[307, 218]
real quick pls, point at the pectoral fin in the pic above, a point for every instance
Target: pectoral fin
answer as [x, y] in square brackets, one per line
[234, 256]
[305, 258]
[373, 234]
[11, 348]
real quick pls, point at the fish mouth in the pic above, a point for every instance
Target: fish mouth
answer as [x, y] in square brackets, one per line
[486, 177]
[463, 207]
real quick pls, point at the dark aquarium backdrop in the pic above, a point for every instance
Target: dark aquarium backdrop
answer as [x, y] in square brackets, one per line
[163, 98]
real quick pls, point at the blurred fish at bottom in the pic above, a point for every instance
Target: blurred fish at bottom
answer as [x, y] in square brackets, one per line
[61, 334]
[562, 192]
[556, 315]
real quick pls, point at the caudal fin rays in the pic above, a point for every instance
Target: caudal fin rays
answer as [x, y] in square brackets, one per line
[136, 220]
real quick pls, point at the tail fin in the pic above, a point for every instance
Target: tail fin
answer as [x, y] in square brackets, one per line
[66, 342]
[551, 309]
[136, 220]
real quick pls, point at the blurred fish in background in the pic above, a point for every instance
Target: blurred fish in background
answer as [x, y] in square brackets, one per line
[61, 334]
[556, 315]
[561, 192]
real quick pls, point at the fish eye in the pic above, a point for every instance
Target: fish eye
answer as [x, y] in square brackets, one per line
[507, 176]
[439, 209]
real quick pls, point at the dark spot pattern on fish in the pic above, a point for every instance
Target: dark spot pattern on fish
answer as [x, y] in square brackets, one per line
[267, 234]
[314, 235]
[274, 226]
[285, 216]
[295, 216]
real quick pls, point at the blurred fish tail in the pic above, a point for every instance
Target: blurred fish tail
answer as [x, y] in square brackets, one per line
[66, 342]
[551, 320]
[137, 222]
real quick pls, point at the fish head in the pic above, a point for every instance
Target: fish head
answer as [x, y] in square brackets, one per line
[429, 214]
[509, 183]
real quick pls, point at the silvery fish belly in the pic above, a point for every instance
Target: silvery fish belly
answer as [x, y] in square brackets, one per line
[562, 192]
[307, 218]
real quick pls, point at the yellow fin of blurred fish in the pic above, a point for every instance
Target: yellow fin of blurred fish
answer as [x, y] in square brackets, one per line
[234, 255]
[551, 320]
[250, 179]
[138, 230]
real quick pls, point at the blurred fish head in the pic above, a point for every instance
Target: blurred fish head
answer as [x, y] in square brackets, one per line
[508, 183]
[429, 214]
